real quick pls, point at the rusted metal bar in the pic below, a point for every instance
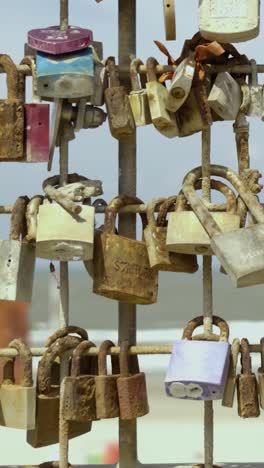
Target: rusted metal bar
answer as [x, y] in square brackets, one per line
[64, 14]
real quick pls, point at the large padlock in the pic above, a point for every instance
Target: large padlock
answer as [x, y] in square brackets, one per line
[46, 431]
[261, 375]
[225, 96]
[36, 123]
[229, 21]
[18, 401]
[17, 257]
[107, 404]
[120, 117]
[52, 40]
[131, 386]
[64, 236]
[247, 386]
[79, 403]
[121, 265]
[11, 115]
[163, 120]
[65, 76]
[230, 387]
[159, 257]
[198, 368]
[181, 84]
[185, 232]
[138, 97]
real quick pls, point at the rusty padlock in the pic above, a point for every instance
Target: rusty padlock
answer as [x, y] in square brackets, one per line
[107, 404]
[230, 387]
[261, 375]
[247, 386]
[131, 385]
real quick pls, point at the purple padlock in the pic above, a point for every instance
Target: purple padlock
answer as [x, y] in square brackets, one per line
[54, 41]
[198, 368]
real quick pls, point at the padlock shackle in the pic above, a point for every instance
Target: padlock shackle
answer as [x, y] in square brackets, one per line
[29, 60]
[77, 356]
[65, 331]
[115, 206]
[151, 207]
[12, 76]
[113, 73]
[164, 209]
[18, 225]
[151, 69]
[198, 321]
[246, 365]
[45, 365]
[26, 360]
[32, 217]
[102, 359]
[137, 81]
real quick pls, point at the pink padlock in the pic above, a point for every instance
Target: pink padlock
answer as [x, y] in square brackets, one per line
[36, 124]
[54, 41]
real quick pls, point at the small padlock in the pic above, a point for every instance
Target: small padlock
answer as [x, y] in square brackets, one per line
[225, 96]
[256, 107]
[131, 386]
[261, 375]
[11, 115]
[18, 401]
[36, 123]
[198, 369]
[138, 97]
[247, 386]
[229, 393]
[52, 40]
[120, 117]
[159, 257]
[107, 404]
[181, 84]
[79, 403]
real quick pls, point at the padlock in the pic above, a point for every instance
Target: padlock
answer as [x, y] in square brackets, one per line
[247, 386]
[65, 76]
[46, 431]
[195, 114]
[138, 97]
[120, 117]
[64, 236]
[181, 84]
[32, 216]
[225, 97]
[197, 368]
[121, 265]
[11, 115]
[131, 386]
[256, 107]
[187, 235]
[79, 403]
[36, 123]
[18, 401]
[163, 120]
[100, 81]
[229, 393]
[159, 257]
[261, 375]
[229, 20]
[169, 19]
[52, 40]
[107, 404]
[17, 259]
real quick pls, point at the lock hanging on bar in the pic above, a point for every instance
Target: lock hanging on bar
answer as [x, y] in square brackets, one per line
[138, 97]
[247, 386]
[107, 404]
[261, 375]
[225, 96]
[52, 40]
[181, 84]
[229, 393]
[256, 107]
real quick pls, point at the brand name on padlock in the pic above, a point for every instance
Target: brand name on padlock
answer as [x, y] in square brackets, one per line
[124, 267]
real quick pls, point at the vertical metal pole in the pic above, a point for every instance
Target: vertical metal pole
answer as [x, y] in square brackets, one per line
[127, 223]
[64, 14]
[207, 301]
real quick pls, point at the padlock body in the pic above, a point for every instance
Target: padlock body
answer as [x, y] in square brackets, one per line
[100, 80]
[79, 399]
[241, 253]
[53, 40]
[120, 117]
[229, 21]
[161, 259]
[17, 406]
[247, 395]
[66, 76]
[190, 118]
[181, 83]
[256, 101]
[225, 96]
[163, 120]
[132, 395]
[37, 132]
[107, 404]
[187, 235]
[140, 107]
[199, 369]
[62, 236]
[17, 265]
[122, 271]
[12, 130]
[261, 387]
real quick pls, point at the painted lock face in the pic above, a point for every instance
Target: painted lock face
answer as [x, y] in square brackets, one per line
[54, 41]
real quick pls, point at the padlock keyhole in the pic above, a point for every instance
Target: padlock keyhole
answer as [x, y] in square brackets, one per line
[46, 85]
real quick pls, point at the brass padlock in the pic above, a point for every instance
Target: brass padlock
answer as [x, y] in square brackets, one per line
[107, 404]
[131, 385]
[18, 402]
[121, 265]
[261, 375]
[120, 117]
[79, 402]
[247, 386]
[11, 115]
[159, 257]
[46, 431]
[138, 97]
[229, 393]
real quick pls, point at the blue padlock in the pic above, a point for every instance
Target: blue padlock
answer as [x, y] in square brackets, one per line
[67, 76]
